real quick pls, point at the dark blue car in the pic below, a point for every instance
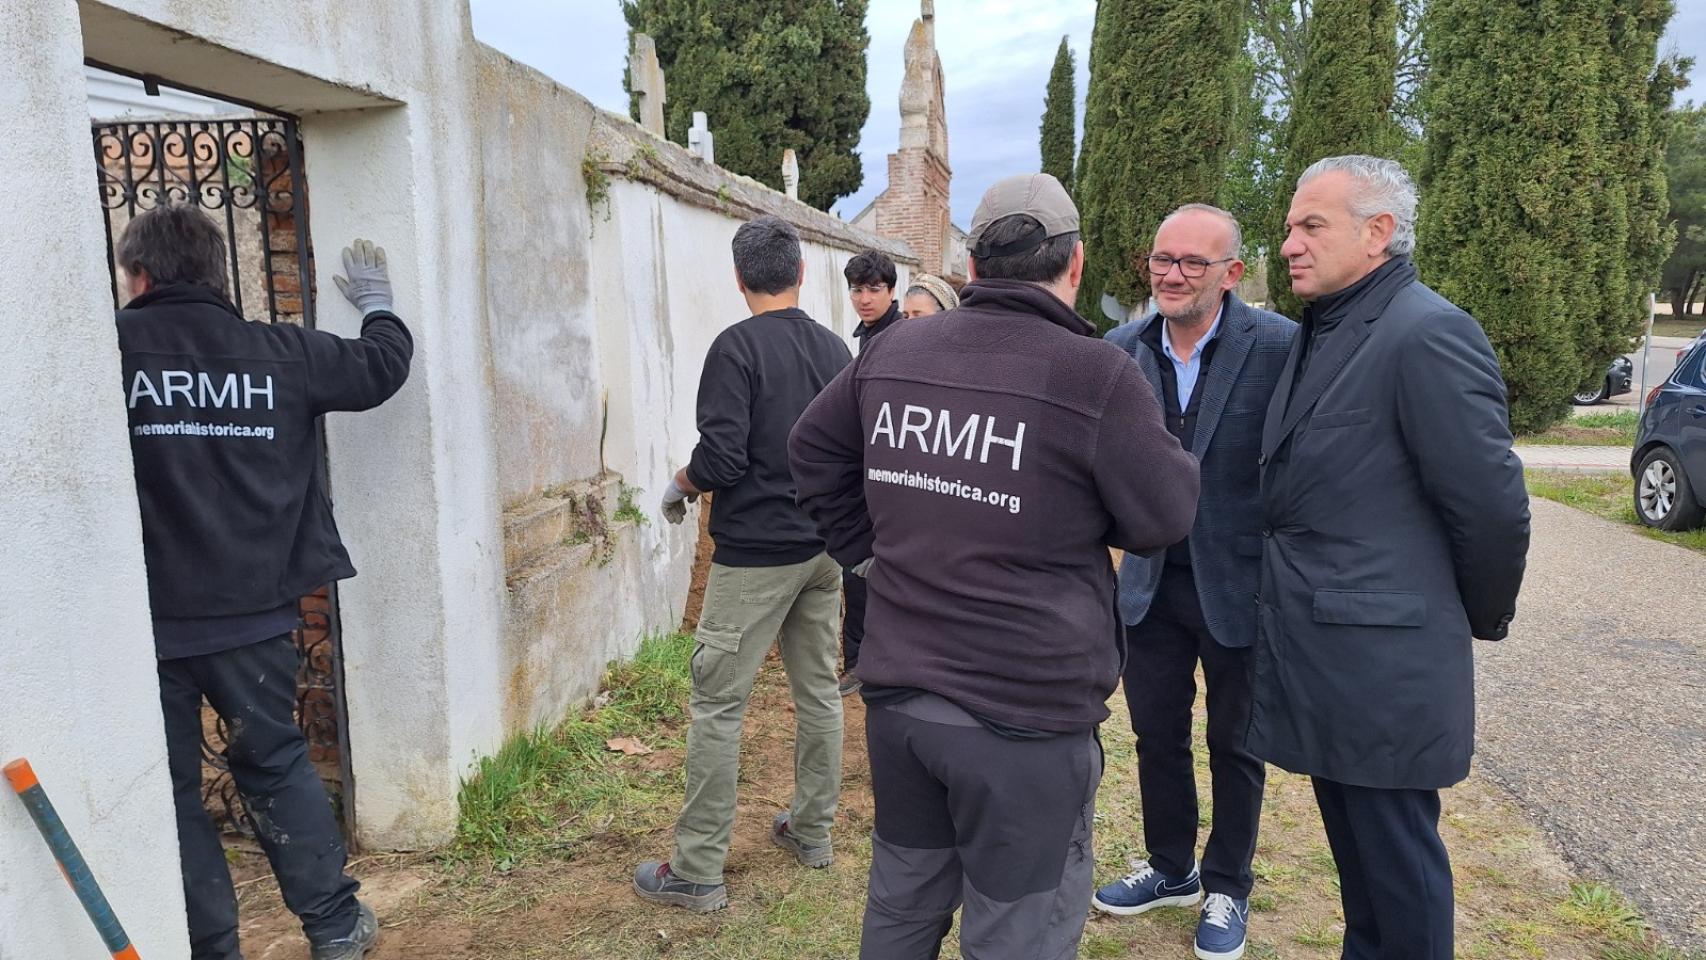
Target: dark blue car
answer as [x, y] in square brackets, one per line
[1669, 463]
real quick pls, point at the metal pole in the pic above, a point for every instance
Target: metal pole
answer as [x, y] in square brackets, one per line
[71, 863]
[1647, 353]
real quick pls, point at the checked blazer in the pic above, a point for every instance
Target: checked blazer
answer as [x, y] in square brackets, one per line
[1226, 540]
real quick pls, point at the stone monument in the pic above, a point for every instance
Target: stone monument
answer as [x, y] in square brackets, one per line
[645, 78]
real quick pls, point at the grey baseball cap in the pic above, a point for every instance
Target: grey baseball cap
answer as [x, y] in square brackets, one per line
[1036, 195]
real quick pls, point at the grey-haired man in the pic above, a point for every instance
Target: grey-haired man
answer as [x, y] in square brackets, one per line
[1395, 531]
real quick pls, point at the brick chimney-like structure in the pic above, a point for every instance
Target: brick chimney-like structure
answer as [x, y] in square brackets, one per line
[914, 208]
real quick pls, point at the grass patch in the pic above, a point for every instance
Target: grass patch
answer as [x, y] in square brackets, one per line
[1605, 495]
[626, 510]
[1664, 326]
[1589, 430]
[1605, 914]
[597, 181]
[1599, 909]
[1320, 936]
[551, 791]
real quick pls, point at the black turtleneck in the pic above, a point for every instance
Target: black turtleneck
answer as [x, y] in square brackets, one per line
[1362, 300]
[865, 331]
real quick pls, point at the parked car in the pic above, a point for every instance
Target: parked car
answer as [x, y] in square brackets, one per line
[1618, 380]
[1691, 344]
[1669, 461]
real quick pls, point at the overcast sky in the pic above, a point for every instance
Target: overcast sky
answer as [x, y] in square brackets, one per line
[996, 54]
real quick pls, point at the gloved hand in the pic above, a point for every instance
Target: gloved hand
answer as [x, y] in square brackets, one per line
[369, 283]
[675, 502]
[863, 567]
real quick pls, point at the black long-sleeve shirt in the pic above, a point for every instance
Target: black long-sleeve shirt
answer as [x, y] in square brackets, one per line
[759, 376]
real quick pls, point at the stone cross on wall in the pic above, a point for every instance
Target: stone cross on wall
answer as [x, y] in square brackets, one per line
[699, 139]
[790, 174]
[645, 78]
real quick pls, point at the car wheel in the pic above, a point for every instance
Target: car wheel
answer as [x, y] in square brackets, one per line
[1588, 398]
[1664, 499]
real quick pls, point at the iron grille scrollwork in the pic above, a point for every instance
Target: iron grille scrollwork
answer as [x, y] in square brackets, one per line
[247, 174]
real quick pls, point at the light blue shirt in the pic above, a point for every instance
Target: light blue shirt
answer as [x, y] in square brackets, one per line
[1185, 372]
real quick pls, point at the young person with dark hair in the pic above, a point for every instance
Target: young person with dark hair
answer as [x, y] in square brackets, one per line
[871, 279]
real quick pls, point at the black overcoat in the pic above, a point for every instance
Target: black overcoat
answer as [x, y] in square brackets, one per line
[1396, 528]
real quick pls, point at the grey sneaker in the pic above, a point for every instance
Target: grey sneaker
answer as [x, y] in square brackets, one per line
[848, 684]
[654, 882]
[355, 944]
[814, 857]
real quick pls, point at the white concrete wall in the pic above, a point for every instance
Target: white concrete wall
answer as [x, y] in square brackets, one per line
[78, 690]
[532, 310]
[664, 291]
[391, 156]
[600, 310]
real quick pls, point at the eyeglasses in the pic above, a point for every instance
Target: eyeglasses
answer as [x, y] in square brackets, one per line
[868, 288]
[1190, 267]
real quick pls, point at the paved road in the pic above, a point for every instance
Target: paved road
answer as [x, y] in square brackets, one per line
[1664, 361]
[1591, 713]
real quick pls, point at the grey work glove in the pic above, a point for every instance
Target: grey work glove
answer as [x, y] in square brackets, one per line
[675, 502]
[369, 282]
[863, 567]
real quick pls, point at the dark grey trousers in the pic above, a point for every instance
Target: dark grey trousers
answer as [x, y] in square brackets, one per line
[253, 688]
[967, 818]
[1394, 873]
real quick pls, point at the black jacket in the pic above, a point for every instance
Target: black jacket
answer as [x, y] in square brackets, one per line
[235, 519]
[759, 375]
[1396, 528]
[866, 332]
[988, 457]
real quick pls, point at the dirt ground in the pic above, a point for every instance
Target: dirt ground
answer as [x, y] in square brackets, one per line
[1509, 881]
[1512, 886]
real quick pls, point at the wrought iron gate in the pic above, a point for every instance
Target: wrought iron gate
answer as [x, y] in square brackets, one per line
[247, 174]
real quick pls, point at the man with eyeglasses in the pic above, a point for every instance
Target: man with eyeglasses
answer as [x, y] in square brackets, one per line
[871, 279]
[1212, 361]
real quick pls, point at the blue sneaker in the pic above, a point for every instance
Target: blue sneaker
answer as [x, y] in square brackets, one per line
[1220, 931]
[1144, 889]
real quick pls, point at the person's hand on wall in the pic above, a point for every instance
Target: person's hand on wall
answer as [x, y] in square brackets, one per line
[369, 283]
[675, 502]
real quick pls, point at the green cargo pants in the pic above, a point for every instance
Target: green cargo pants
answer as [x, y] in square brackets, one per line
[746, 609]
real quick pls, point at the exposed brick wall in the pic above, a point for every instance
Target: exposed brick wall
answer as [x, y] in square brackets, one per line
[914, 208]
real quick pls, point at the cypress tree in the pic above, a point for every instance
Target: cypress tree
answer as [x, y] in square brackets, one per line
[1164, 89]
[1685, 168]
[1343, 104]
[1060, 127]
[1542, 180]
[769, 74]
[1640, 87]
